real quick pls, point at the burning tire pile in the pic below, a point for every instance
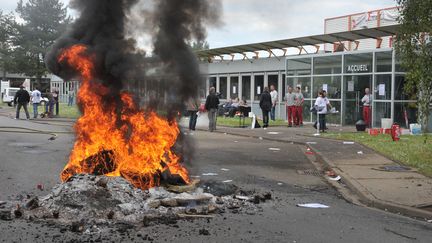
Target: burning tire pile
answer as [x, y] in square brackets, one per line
[87, 203]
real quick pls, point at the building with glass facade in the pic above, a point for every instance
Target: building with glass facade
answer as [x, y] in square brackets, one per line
[343, 63]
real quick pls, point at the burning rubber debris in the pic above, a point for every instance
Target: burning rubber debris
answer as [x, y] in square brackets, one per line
[88, 201]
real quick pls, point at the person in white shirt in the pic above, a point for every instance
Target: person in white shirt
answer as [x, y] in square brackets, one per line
[367, 101]
[274, 99]
[36, 98]
[321, 104]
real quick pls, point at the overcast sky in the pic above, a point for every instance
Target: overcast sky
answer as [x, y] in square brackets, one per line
[248, 21]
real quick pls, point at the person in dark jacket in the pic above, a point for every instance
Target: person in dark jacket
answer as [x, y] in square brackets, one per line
[211, 105]
[22, 98]
[266, 105]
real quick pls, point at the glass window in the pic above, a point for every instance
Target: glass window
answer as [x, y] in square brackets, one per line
[303, 82]
[383, 61]
[405, 113]
[234, 82]
[306, 111]
[284, 84]
[246, 87]
[332, 84]
[273, 80]
[301, 66]
[383, 87]
[223, 87]
[212, 82]
[400, 93]
[381, 110]
[398, 66]
[259, 86]
[328, 65]
[358, 63]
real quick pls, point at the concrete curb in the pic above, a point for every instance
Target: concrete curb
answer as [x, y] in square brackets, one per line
[371, 201]
[363, 195]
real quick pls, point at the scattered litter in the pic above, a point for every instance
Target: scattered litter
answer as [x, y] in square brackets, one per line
[245, 198]
[40, 187]
[337, 178]
[235, 141]
[209, 174]
[309, 151]
[224, 169]
[331, 173]
[265, 128]
[311, 142]
[280, 183]
[317, 134]
[273, 133]
[196, 176]
[260, 138]
[52, 138]
[429, 221]
[225, 133]
[312, 205]
[227, 181]
[348, 143]
[360, 152]
[274, 149]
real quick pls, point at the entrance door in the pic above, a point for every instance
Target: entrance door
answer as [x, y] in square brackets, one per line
[354, 90]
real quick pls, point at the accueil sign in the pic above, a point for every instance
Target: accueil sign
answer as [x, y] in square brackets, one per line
[358, 68]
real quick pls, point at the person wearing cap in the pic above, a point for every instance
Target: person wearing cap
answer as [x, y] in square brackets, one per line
[299, 100]
[367, 100]
[21, 99]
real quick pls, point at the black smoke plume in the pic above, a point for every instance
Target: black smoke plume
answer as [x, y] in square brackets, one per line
[119, 64]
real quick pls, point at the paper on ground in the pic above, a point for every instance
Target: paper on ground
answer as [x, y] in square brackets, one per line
[227, 181]
[337, 178]
[274, 149]
[311, 142]
[360, 152]
[242, 197]
[224, 169]
[348, 142]
[273, 133]
[312, 205]
[209, 174]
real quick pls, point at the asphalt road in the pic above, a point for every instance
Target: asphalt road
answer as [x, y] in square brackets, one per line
[28, 159]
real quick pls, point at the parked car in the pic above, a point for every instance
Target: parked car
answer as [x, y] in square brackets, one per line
[9, 95]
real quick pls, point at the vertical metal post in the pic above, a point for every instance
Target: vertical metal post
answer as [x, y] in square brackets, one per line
[393, 82]
[228, 95]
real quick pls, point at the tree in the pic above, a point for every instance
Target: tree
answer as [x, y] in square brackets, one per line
[6, 31]
[199, 45]
[44, 22]
[414, 48]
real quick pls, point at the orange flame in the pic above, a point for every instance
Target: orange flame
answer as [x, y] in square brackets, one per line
[113, 141]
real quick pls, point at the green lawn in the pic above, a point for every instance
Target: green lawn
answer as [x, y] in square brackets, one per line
[65, 111]
[410, 150]
[234, 122]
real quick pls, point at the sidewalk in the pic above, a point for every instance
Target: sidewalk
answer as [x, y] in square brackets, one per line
[365, 172]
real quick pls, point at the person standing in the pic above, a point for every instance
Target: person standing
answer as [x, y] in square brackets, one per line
[299, 100]
[22, 98]
[211, 105]
[290, 105]
[50, 105]
[192, 108]
[71, 95]
[36, 97]
[266, 106]
[274, 98]
[321, 107]
[367, 101]
[55, 95]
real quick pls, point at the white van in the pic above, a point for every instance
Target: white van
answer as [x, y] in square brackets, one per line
[8, 95]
